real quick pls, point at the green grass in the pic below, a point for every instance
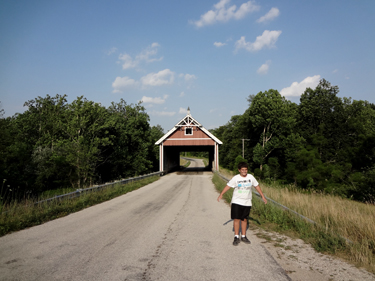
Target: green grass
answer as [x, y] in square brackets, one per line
[55, 192]
[184, 163]
[205, 160]
[20, 215]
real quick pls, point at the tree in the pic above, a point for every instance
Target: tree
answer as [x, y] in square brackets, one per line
[230, 135]
[156, 133]
[322, 119]
[86, 135]
[43, 123]
[273, 118]
[132, 142]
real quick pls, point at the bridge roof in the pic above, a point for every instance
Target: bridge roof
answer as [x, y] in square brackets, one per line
[188, 121]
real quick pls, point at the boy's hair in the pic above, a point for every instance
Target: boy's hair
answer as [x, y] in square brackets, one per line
[242, 165]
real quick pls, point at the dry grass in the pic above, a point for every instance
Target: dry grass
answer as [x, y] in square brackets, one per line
[226, 173]
[352, 220]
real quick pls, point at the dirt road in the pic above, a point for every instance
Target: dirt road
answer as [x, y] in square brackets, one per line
[172, 229]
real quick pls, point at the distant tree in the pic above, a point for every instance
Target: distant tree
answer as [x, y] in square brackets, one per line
[157, 132]
[273, 118]
[131, 151]
[322, 119]
[86, 136]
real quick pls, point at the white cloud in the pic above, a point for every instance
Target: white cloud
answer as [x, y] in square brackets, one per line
[162, 113]
[296, 89]
[264, 67]
[219, 44]
[335, 71]
[189, 77]
[182, 94]
[182, 110]
[147, 55]
[267, 39]
[272, 14]
[121, 83]
[157, 100]
[222, 13]
[128, 62]
[111, 51]
[163, 77]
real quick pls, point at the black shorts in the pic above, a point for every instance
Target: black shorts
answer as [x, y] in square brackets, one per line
[239, 212]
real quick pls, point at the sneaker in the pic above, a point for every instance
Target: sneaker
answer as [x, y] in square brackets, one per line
[245, 240]
[236, 241]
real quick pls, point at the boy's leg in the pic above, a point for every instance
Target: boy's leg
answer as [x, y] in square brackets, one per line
[243, 227]
[236, 226]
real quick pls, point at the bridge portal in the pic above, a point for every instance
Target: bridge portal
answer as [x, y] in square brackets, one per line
[187, 135]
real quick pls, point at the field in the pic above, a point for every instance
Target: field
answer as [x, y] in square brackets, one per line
[343, 228]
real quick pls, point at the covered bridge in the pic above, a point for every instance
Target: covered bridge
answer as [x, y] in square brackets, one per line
[187, 135]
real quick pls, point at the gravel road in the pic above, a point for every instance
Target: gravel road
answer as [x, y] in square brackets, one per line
[172, 229]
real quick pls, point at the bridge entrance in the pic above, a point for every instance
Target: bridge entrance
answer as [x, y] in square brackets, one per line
[187, 135]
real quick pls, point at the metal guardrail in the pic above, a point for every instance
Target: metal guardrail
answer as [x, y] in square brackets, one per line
[274, 202]
[283, 207]
[94, 188]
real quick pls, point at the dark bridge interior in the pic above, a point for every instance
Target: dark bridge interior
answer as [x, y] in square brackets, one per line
[172, 158]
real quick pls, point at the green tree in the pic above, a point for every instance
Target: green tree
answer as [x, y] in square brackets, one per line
[273, 118]
[230, 135]
[86, 135]
[237, 161]
[322, 119]
[43, 123]
[132, 149]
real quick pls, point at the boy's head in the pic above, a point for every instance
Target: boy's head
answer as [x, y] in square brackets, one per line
[242, 168]
[242, 165]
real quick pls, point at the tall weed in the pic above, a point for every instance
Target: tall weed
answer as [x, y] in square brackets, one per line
[337, 219]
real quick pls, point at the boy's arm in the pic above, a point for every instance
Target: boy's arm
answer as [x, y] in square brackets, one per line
[222, 193]
[261, 194]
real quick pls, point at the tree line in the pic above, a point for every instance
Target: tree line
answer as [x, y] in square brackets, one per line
[325, 143]
[55, 144]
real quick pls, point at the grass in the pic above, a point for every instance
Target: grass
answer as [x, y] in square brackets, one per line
[335, 217]
[184, 163]
[54, 192]
[205, 160]
[350, 219]
[20, 215]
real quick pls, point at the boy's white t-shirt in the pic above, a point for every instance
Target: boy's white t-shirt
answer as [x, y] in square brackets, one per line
[242, 194]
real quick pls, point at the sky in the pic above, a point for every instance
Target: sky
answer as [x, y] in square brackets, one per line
[171, 55]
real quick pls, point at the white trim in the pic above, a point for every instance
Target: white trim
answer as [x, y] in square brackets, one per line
[190, 139]
[190, 129]
[188, 120]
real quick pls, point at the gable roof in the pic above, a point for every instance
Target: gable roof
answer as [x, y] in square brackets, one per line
[188, 120]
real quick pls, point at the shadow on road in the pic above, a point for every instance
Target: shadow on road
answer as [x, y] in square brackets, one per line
[194, 171]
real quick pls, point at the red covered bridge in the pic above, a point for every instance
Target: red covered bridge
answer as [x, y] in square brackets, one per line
[187, 135]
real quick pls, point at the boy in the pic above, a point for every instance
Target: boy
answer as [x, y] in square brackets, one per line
[241, 201]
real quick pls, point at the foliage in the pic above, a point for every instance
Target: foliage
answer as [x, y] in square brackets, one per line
[325, 143]
[55, 144]
[237, 161]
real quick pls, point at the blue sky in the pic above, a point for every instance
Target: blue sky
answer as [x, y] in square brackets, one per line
[208, 55]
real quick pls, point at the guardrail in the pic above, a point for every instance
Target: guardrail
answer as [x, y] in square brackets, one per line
[94, 188]
[274, 202]
[282, 206]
